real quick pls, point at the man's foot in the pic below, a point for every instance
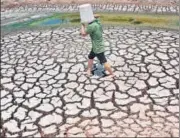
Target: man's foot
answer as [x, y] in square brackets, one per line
[111, 76]
[88, 72]
[108, 77]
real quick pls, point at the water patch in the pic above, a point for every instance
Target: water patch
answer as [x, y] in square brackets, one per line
[35, 21]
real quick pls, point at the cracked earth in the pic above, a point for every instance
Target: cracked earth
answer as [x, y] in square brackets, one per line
[43, 89]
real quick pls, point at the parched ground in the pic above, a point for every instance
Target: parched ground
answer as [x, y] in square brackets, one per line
[12, 3]
[43, 89]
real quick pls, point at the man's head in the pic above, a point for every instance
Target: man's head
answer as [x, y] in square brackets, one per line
[96, 15]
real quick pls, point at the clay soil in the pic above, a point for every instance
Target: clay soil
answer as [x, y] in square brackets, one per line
[16, 3]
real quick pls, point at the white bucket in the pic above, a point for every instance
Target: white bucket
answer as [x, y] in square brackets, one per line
[86, 13]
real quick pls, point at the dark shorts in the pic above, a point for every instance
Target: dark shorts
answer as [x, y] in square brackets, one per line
[101, 57]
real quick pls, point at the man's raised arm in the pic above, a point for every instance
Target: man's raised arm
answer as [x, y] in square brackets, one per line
[83, 30]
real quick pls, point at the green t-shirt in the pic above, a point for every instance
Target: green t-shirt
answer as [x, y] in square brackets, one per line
[95, 31]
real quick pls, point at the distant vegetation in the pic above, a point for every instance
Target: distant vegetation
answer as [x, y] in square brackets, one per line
[146, 20]
[117, 19]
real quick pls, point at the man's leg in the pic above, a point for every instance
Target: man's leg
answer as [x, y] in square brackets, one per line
[108, 68]
[90, 62]
[103, 61]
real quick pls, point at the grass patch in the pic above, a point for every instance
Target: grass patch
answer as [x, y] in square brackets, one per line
[119, 18]
[144, 20]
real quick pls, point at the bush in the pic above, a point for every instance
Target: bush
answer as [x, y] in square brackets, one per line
[131, 19]
[137, 22]
[76, 20]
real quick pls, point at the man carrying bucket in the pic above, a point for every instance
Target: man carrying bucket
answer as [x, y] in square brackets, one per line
[94, 29]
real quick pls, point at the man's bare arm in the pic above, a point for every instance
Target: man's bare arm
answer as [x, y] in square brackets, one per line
[83, 31]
